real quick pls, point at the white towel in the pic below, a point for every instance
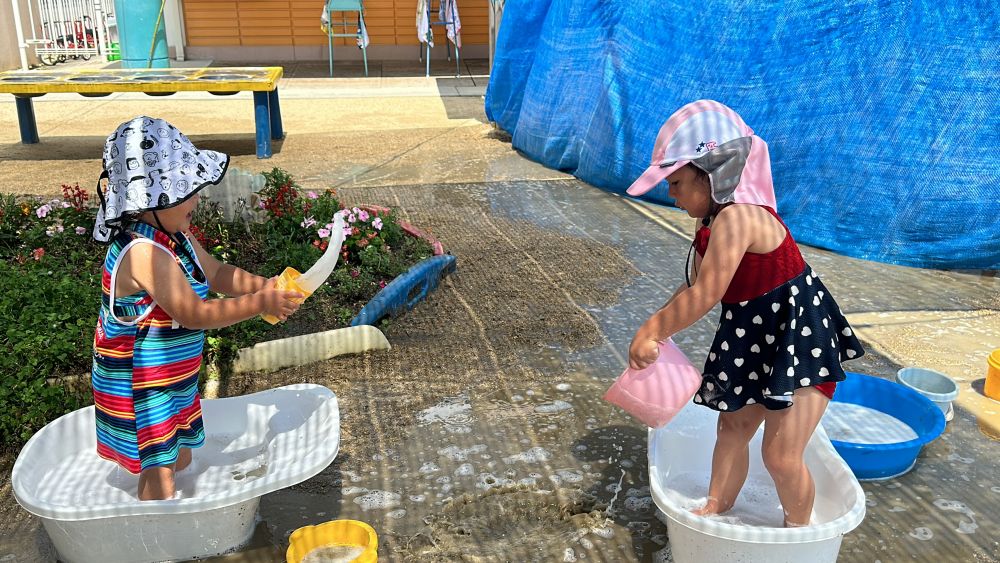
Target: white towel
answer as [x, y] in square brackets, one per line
[424, 32]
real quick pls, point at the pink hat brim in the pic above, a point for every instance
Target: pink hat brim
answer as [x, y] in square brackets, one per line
[651, 177]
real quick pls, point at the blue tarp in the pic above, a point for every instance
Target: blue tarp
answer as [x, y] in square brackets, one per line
[883, 118]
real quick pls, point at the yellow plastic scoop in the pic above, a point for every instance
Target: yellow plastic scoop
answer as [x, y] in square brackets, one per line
[337, 540]
[292, 280]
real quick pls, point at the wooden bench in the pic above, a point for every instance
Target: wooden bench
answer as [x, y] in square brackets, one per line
[262, 81]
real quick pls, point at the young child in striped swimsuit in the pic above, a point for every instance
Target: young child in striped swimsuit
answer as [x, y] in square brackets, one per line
[155, 306]
[776, 358]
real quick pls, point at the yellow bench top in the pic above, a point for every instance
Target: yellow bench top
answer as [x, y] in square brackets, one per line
[156, 80]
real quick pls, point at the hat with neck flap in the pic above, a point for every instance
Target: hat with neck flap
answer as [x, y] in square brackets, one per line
[150, 165]
[714, 138]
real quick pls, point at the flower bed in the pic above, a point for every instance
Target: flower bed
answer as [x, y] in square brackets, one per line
[50, 270]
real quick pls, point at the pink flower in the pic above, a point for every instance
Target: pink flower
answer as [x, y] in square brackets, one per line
[348, 231]
[323, 233]
[377, 223]
[59, 228]
[312, 195]
[38, 253]
[308, 222]
[66, 205]
[43, 211]
[355, 273]
[261, 204]
[363, 216]
[381, 284]
[351, 218]
[81, 231]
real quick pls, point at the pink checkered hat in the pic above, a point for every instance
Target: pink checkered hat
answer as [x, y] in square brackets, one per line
[714, 138]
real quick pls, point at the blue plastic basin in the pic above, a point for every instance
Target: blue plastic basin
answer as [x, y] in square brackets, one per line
[884, 461]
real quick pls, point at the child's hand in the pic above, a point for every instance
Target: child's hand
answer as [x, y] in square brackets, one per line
[279, 303]
[642, 352]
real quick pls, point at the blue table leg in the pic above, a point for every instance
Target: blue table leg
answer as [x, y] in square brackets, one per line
[262, 119]
[26, 120]
[276, 130]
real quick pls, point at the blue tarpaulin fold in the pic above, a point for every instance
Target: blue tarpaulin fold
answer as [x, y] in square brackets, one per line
[882, 118]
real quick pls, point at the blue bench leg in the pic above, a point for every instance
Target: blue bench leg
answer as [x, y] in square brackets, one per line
[262, 118]
[277, 132]
[26, 120]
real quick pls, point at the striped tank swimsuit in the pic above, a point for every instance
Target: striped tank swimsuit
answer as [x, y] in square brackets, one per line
[145, 372]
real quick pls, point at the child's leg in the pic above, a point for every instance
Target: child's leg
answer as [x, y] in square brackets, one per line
[183, 459]
[156, 483]
[786, 433]
[731, 459]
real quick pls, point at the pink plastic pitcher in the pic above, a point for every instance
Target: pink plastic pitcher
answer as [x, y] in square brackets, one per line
[657, 393]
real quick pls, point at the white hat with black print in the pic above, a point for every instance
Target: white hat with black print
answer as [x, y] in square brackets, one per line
[150, 165]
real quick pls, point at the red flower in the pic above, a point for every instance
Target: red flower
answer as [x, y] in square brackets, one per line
[38, 253]
[355, 273]
[381, 284]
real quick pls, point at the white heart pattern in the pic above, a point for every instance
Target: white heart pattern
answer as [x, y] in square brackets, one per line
[820, 294]
[723, 405]
[709, 386]
[729, 315]
[743, 303]
[815, 300]
[755, 349]
[723, 376]
[809, 280]
[775, 307]
[795, 361]
[793, 324]
[851, 353]
[791, 372]
[847, 331]
[757, 320]
[806, 331]
[823, 372]
[781, 326]
[769, 338]
[826, 322]
[724, 345]
[752, 376]
[740, 332]
[804, 381]
[791, 349]
[816, 352]
[738, 362]
[738, 389]
[750, 401]
[795, 290]
[711, 356]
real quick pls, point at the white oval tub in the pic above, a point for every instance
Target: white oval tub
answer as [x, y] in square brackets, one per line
[254, 444]
[680, 464]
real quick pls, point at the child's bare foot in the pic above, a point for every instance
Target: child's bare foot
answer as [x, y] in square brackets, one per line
[712, 507]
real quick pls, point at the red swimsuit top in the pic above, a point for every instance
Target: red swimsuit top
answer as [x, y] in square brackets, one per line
[758, 273]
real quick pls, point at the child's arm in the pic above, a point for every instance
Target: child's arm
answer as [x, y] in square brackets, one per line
[732, 234]
[151, 268]
[693, 273]
[226, 278]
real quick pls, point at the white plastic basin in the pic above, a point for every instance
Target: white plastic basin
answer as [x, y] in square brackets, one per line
[680, 464]
[254, 444]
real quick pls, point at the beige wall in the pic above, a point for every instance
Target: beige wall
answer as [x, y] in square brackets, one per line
[10, 57]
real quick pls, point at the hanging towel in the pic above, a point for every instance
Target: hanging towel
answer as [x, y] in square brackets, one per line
[363, 41]
[424, 32]
[448, 13]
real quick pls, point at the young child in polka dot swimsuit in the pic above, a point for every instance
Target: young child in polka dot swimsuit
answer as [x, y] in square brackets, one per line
[776, 357]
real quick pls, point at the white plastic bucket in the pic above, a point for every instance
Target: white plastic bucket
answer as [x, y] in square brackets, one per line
[934, 385]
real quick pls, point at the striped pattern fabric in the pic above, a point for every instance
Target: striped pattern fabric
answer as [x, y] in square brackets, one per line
[145, 372]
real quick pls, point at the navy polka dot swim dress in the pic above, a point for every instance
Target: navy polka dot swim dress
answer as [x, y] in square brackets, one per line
[780, 330]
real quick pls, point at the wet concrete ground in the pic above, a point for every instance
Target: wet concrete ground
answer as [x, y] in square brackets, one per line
[482, 433]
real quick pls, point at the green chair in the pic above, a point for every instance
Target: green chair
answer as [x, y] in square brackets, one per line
[345, 7]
